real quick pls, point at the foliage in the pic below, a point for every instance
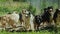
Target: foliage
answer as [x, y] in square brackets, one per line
[6, 7]
[32, 9]
[2, 0]
[18, 6]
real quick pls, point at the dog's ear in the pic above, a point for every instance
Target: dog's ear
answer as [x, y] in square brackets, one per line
[50, 8]
[57, 10]
[29, 12]
[9, 13]
[23, 11]
[45, 10]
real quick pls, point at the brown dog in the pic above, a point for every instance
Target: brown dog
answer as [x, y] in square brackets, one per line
[26, 19]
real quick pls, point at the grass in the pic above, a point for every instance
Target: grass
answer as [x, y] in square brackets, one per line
[32, 32]
[39, 32]
[9, 7]
[6, 7]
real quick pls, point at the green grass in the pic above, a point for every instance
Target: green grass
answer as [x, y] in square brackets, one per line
[9, 7]
[32, 32]
[39, 32]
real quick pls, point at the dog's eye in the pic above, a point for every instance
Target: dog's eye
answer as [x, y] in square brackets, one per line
[25, 10]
